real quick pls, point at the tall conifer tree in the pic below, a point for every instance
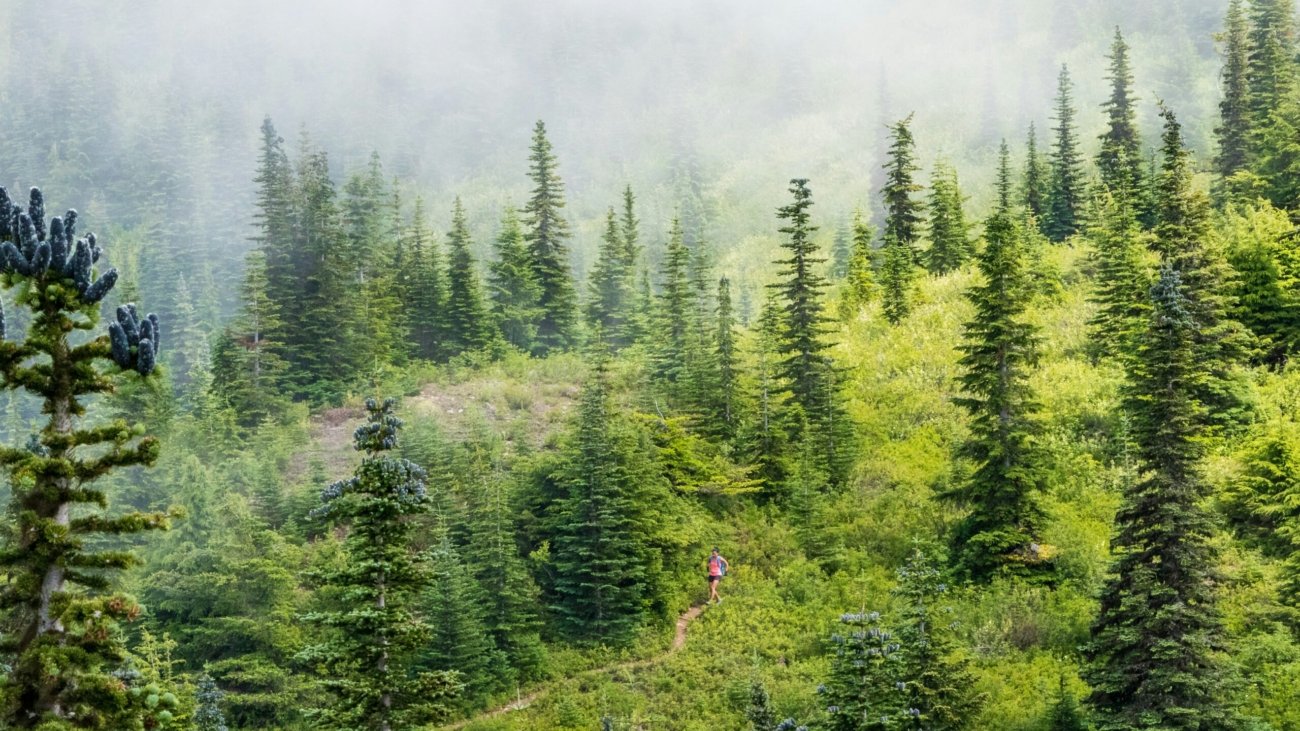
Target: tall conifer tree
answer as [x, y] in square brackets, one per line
[62, 640]
[426, 289]
[515, 292]
[468, 325]
[1120, 159]
[902, 223]
[611, 292]
[1000, 350]
[1233, 131]
[1037, 181]
[860, 284]
[547, 233]
[950, 244]
[1065, 202]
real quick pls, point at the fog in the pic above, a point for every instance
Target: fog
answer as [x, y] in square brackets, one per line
[750, 93]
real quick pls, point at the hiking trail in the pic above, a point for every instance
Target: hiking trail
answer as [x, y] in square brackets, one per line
[526, 700]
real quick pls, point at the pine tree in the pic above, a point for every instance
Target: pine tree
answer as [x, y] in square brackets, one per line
[546, 234]
[1065, 199]
[1037, 182]
[638, 324]
[902, 223]
[515, 292]
[469, 327]
[1120, 159]
[247, 368]
[208, 716]
[458, 641]
[276, 221]
[1065, 714]
[725, 411]
[609, 306]
[860, 284]
[605, 564]
[1233, 132]
[1000, 349]
[1122, 280]
[841, 253]
[1265, 286]
[1270, 61]
[939, 687]
[759, 714]
[1182, 241]
[764, 440]
[425, 288]
[1161, 669]
[950, 244]
[862, 692]
[63, 642]
[371, 252]
[806, 367]
[365, 659]
[674, 309]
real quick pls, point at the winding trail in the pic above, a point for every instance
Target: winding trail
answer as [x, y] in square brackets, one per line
[524, 701]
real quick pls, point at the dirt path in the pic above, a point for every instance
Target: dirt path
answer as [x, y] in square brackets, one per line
[524, 701]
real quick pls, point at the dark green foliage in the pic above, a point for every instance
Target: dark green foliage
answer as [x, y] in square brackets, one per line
[247, 369]
[208, 716]
[468, 325]
[546, 233]
[1182, 241]
[424, 287]
[606, 566]
[1120, 158]
[1270, 62]
[515, 292]
[62, 639]
[1264, 288]
[1065, 197]
[674, 310]
[939, 687]
[1066, 715]
[1154, 660]
[902, 223]
[1233, 132]
[612, 287]
[370, 638]
[1000, 350]
[759, 714]
[806, 366]
[1122, 280]
[454, 604]
[724, 412]
[1037, 181]
[1263, 501]
[950, 244]
[764, 438]
[841, 253]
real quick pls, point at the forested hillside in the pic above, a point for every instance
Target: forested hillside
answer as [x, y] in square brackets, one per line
[342, 392]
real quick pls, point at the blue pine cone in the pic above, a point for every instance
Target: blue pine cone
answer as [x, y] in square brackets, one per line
[29, 248]
[134, 340]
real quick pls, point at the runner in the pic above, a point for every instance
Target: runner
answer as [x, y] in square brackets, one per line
[717, 570]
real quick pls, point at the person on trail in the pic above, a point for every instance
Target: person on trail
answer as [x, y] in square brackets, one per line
[717, 570]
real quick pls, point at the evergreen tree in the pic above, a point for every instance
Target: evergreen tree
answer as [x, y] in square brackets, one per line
[902, 223]
[62, 640]
[860, 284]
[1120, 159]
[950, 244]
[1122, 281]
[1065, 714]
[605, 561]
[1000, 533]
[806, 366]
[674, 309]
[1182, 241]
[468, 324]
[366, 658]
[276, 220]
[939, 687]
[426, 291]
[759, 714]
[547, 232]
[628, 230]
[609, 307]
[1270, 61]
[841, 253]
[765, 440]
[1233, 132]
[510, 598]
[1064, 213]
[247, 368]
[862, 692]
[1265, 286]
[1161, 669]
[515, 291]
[458, 640]
[208, 716]
[371, 250]
[725, 412]
[1037, 182]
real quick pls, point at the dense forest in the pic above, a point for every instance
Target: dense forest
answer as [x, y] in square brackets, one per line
[342, 392]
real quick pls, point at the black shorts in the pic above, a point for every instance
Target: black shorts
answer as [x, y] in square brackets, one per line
[713, 578]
